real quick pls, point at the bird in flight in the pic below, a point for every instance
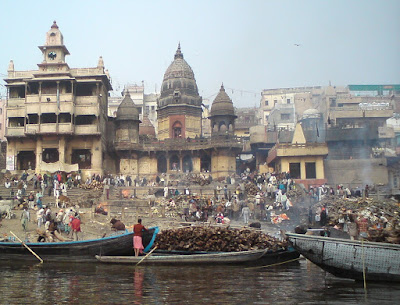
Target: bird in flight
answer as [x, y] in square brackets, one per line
[297, 44]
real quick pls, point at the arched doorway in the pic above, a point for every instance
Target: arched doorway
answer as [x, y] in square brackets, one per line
[162, 164]
[177, 130]
[187, 164]
[205, 163]
[174, 163]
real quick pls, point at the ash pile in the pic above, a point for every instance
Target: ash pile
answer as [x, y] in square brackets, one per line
[216, 239]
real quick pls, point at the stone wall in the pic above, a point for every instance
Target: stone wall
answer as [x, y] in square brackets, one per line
[356, 172]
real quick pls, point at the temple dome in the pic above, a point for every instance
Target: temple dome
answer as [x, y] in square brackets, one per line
[127, 109]
[179, 85]
[222, 104]
[311, 113]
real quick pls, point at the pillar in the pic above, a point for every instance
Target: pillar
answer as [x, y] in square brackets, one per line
[39, 151]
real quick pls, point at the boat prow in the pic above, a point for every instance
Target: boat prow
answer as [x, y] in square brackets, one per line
[350, 258]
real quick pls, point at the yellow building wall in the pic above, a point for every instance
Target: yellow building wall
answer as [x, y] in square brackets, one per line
[129, 167]
[163, 128]
[193, 126]
[222, 164]
[147, 166]
[283, 165]
[196, 164]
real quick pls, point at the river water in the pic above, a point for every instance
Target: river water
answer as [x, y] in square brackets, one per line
[299, 282]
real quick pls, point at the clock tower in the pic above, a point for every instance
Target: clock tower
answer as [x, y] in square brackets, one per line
[54, 52]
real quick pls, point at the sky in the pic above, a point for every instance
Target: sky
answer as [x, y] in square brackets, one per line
[246, 45]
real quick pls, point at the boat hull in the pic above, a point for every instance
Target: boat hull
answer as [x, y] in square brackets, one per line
[350, 259]
[182, 259]
[85, 250]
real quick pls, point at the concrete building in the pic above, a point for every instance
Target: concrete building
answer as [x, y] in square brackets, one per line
[304, 161]
[2, 119]
[56, 115]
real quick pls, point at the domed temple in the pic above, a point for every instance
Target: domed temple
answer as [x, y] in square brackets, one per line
[179, 146]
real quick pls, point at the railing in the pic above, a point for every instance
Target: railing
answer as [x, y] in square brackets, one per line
[86, 129]
[15, 131]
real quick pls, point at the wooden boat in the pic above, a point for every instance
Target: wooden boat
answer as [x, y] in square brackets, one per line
[350, 258]
[83, 250]
[216, 258]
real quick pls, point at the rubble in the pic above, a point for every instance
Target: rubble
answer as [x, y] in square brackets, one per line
[216, 239]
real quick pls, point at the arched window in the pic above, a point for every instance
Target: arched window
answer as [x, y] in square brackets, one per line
[177, 130]
[161, 164]
[174, 163]
[187, 164]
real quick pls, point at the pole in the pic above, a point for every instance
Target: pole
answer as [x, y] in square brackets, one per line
[30, 250]
[148, 254]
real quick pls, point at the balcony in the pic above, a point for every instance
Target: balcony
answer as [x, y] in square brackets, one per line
[15, 131]
[84, 100]
[15, 102]
[86, 130]
[31, 129]
[16, 112]
[48, 128]
[87, 110]
[65, 128]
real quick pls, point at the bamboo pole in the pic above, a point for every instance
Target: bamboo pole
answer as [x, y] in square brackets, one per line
[30, 250]
[148, 254]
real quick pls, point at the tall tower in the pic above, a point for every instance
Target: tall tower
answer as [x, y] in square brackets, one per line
[54, 52]
[179, 106]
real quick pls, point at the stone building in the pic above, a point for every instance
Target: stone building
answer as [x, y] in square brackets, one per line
[56, 115]
[179, 146]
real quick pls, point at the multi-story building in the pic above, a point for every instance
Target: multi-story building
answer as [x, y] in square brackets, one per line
[56, 115]
[2, 119]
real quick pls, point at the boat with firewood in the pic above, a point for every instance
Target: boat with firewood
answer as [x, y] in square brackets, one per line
[218, 258]
[75, 251]
[352, 259]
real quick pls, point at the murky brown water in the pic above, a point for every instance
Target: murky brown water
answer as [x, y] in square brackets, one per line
[295, 283]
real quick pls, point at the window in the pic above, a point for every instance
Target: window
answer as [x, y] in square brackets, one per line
[294, 169]
[285, 116]
[288, 101]
[310, 170]
[266, 103]
[152, 108]
[275, 102]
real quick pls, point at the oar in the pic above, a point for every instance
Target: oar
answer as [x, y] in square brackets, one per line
[30, 250]
[148, 254]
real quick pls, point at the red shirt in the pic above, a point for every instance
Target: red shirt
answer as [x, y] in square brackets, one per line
[76, 225]
[138, 229]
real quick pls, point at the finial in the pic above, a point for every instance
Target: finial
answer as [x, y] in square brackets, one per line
[222, 87]
[100, 64]
[178, 53]
[54, 26]
[11, 66]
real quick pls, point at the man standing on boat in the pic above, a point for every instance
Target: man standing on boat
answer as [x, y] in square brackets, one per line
[76, 227]
[137, 237]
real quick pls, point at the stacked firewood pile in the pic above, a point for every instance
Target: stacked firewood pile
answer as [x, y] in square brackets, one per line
[96, 185]
[216, 239]
[251, 189]
[199, 179]
[383, 216]
[296, 195]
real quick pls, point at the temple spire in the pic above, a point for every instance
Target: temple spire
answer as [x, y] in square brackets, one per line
[178, 53]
